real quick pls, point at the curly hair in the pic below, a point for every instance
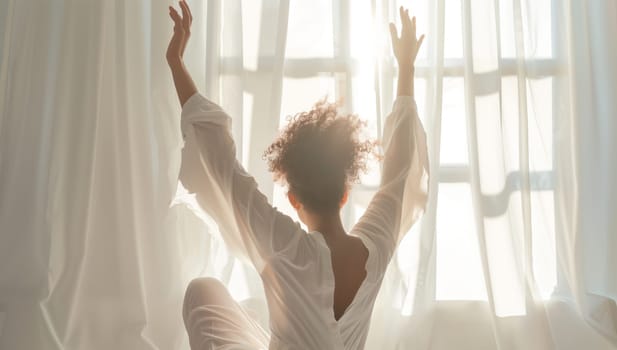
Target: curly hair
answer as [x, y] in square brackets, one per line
[319, 155]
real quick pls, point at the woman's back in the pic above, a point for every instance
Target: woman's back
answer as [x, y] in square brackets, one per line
[321, 296]
[349, 257]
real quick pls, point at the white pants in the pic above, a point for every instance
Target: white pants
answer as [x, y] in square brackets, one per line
[214, 320]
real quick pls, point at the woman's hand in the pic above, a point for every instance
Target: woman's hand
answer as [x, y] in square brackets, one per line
[182, 32]
[406, 46]
[405, 50]
[185, 87]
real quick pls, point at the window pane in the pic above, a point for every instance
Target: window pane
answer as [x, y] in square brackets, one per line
[537, 22]
[362, 34]
[453, 41]
[309, 29]
[484, 41]
[459, 270]
[540, 123]
[251, 29]
[543, 242]
[492, 143]
[510, 123]
[453, 124]
[301, 94]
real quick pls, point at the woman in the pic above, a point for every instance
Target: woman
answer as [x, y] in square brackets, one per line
[320, 285]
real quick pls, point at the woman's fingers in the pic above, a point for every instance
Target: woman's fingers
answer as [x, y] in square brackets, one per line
[408, 23]
[393, 33]
[186, 17]
[394, 36]
[419, 43]
[406, 45]
[174, 15]
[188, 9]
[403, 19]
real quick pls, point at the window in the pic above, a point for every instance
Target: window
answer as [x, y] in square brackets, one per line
[342, 51]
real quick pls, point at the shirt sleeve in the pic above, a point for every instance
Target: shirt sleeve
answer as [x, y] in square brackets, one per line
[403, 192]
[249, 225]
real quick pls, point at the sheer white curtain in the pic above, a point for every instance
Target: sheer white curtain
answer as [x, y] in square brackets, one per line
[91, 255]
[517, 249]
[509, 254]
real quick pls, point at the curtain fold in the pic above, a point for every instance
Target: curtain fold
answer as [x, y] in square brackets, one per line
[593, 282]
[98, 240]
[89, 143]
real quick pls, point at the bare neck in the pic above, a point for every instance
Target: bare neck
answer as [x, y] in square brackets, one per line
[330, 226]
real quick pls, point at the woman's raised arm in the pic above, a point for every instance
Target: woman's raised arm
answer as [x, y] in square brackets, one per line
[404, 180]
[209, 169]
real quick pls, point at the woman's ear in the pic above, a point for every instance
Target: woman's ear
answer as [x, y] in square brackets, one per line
[293, 200]
[344, 199]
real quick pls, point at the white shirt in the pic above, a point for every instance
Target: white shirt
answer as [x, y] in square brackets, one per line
[295, 266]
